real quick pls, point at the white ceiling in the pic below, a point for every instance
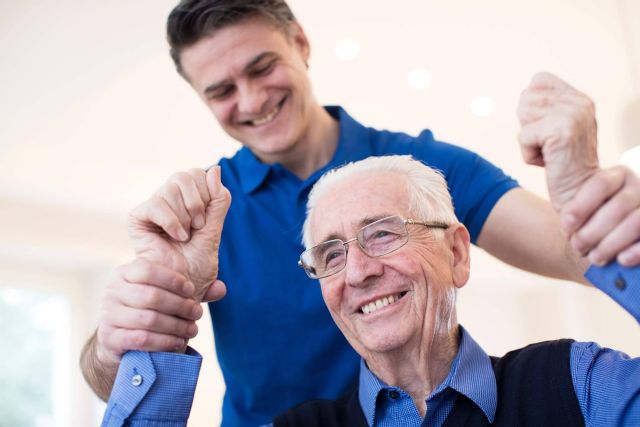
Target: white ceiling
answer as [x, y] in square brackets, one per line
[93, 116]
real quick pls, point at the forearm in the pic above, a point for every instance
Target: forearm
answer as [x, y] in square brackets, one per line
[99, 376]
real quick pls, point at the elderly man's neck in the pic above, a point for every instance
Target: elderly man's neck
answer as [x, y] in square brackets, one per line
[419, 369]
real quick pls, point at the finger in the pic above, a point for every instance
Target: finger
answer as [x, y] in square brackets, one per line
[544, 80]
[171, 193]
[152, 321]
[200, 179]
[156, 213]
[530, 138]
[620, 242]
[122, 340]
[630, 257]
[216, 291]
[603, 221]
[192, 200]
[589, 197]
[220, 201]
[153, 298]
[142, 271]
[534, 106]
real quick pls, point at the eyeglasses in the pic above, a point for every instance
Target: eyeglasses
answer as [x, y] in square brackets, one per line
[376, 239]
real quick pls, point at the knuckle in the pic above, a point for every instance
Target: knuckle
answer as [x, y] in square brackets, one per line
[196, 172]
[148, 318]
[139, 339]
[580, 242]
[150, 297]
[179, 178]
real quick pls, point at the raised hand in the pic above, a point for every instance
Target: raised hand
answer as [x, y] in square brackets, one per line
[180, 226]
[559, 132]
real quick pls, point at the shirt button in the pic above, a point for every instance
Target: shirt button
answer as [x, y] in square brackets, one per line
[136, 380]
[393, 394]
[620, 283]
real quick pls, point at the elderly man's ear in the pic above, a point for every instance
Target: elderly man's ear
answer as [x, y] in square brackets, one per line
[460, 242]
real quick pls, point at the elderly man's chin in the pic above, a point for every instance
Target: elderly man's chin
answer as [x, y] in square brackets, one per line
[388, 329]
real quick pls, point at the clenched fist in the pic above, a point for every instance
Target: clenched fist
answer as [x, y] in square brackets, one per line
[180, 227]
[559, 132]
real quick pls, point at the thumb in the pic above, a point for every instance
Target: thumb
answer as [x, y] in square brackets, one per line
[215, 291]
[220, 199]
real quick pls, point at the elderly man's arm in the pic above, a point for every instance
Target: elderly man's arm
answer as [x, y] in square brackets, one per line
[152, 303]
[606, 381]
[593, 212]
[153, 389]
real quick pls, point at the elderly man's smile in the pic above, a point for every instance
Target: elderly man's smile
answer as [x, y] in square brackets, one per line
[381, 302]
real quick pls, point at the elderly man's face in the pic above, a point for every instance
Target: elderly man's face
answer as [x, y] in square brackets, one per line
[420, 277]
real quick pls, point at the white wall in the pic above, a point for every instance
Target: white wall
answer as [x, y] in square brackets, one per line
[93, 118]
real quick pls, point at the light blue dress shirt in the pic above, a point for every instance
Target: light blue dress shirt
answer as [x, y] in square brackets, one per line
[156, 389]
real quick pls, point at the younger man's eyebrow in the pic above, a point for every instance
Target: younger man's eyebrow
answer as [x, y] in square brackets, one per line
[258, 59]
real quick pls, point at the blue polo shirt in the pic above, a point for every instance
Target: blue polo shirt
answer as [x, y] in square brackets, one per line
[275, 340]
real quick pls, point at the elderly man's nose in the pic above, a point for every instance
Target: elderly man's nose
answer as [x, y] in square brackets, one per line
[251, 99]
[361, 267]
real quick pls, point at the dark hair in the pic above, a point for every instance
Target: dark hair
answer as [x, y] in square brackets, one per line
[191, 20]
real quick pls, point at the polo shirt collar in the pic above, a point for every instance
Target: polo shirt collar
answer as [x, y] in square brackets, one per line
[253, 171]
[353, 144]
[471, 374]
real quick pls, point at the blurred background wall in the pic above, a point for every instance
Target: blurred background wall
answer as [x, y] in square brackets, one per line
[93, 118]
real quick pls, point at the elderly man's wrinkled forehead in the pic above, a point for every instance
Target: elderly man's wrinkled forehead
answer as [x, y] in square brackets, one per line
[357, 200]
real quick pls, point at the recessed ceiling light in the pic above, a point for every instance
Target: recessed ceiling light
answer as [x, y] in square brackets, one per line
[347, 49]
[419, 79]
[482, 106]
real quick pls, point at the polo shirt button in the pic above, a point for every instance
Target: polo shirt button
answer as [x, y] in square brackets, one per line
[620, 284]
[136, 380]
[393, 394]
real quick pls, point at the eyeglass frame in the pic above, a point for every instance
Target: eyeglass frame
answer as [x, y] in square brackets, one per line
[345, 244]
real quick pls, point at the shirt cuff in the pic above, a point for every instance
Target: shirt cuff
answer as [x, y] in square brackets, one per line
[153, 386]
[622, 284]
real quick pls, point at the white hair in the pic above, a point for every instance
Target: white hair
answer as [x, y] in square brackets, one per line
[429, 198]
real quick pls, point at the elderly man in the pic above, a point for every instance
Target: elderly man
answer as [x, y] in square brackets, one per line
[382, 237]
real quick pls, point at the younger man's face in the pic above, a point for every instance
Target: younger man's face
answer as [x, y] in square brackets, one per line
[253, 77]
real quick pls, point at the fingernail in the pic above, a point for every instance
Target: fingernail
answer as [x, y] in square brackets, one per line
[198, 222]
[182, 235]
[596, 258]
[625, 259]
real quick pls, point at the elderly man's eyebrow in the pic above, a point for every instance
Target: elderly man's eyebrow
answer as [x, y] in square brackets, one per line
[363, 222]
[246, 70]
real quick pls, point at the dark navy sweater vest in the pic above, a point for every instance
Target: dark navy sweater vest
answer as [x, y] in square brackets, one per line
[534, 389]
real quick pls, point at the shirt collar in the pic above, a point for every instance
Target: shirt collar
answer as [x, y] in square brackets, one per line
[353, 144]
[471, 374]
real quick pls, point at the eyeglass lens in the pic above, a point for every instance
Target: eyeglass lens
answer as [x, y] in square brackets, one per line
[376, 239]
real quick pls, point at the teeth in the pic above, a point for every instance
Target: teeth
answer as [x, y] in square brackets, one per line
[267, 118]
[379, 303]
